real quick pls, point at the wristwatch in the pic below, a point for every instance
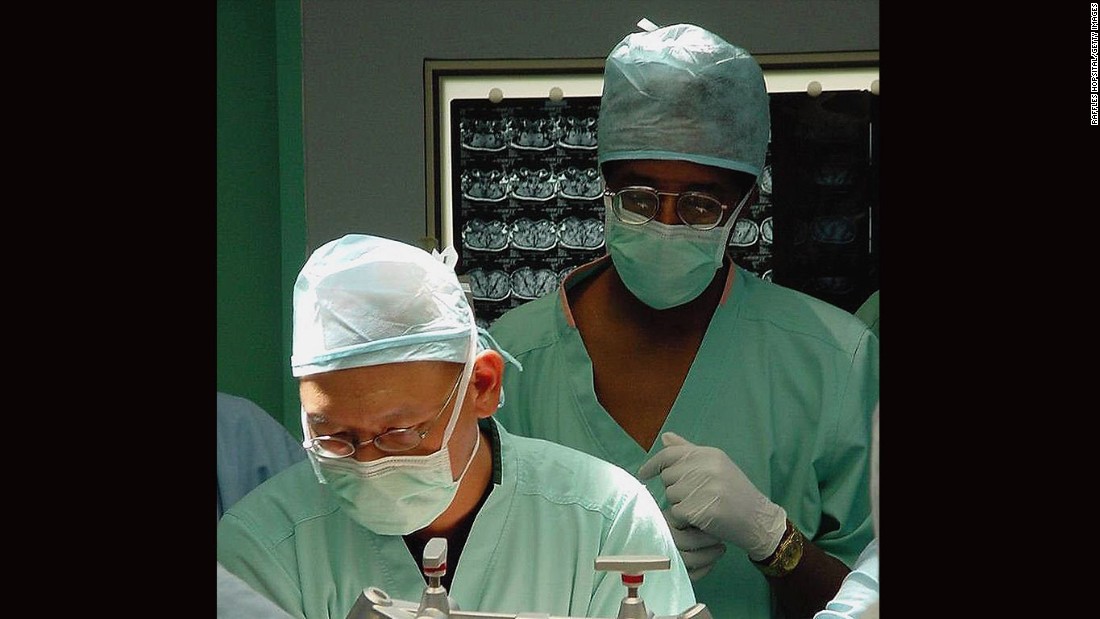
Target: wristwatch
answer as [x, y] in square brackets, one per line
[786, 556]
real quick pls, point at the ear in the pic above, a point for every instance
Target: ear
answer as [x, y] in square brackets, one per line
[487, 377]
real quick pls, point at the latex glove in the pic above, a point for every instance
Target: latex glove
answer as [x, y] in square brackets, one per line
[708, 491]
[699, 550]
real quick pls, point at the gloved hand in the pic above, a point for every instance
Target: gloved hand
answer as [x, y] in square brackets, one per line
[708, 491]
[699, 550]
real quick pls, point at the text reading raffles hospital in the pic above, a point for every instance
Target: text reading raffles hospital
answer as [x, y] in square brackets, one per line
[1093, 103]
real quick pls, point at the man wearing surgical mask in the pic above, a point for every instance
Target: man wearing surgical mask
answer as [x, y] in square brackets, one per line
[398, 388]
[742, 404]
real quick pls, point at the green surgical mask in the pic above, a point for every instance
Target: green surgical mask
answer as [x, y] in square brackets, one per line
[665, 266]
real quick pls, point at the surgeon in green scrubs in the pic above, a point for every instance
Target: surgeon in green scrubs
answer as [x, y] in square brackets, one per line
[744, 405]
[398, 389]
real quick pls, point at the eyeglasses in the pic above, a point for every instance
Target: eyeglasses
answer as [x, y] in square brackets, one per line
[636, 205]
[396, 440]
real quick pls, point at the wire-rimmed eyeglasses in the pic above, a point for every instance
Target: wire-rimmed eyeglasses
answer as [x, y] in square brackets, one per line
[396, 440]
[636, 205]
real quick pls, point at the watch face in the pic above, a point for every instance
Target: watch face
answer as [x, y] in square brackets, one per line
[792, 553]
[787, 555]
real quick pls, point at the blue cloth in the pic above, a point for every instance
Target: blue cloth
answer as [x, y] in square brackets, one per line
[784, 383]
[532, 546]
[251, 447]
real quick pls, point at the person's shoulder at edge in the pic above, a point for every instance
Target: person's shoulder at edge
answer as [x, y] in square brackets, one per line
[796, 311]
[236, 407]
[237, 412]
[251, 447]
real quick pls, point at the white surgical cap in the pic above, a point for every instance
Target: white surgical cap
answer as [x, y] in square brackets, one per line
[681, 92]
[363, 300]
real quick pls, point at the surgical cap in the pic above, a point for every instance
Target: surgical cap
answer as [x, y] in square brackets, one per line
[363, 300]
[681, 92]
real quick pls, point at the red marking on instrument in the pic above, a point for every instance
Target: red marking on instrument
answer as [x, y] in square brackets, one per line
[432, 571]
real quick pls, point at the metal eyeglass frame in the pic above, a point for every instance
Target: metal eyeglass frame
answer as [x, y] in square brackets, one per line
[312, 444]
[616, 205]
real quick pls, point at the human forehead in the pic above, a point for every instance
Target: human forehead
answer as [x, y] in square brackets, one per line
[669, 175]
[390, 389]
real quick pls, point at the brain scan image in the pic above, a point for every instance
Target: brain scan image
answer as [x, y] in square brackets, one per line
[834, 175]
[534, 234]
[528, 283]
[526, 195]
[745, 233]
[528, 184]
[577, 233]
[766, 231]
[485, 185]
[580, 184]
[481, 235]
[579, 133]
[837, 230]
[489, 285]
[766, 181]
[534, 134]
[484, 135]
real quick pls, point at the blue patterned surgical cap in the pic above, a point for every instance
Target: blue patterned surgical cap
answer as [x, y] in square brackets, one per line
[682, 92]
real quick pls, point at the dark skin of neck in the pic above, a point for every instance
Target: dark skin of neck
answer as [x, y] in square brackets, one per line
[620, 331]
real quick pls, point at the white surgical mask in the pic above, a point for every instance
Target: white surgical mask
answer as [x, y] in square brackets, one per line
[397, 495]
[664, 265]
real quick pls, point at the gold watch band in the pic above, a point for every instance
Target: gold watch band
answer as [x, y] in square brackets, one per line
[786, 556]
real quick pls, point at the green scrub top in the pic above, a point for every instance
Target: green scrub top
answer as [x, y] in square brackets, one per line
[531, 548]
[784, 383]
[868, 312]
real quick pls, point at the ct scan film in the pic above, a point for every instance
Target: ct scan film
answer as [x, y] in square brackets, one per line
[528, 203]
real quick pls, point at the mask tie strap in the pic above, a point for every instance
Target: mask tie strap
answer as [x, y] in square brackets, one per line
[467, 372]
[309, 452]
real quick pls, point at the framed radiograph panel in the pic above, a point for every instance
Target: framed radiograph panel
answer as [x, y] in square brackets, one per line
[513, 185]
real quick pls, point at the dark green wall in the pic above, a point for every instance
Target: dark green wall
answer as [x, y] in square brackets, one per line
[260, 194]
